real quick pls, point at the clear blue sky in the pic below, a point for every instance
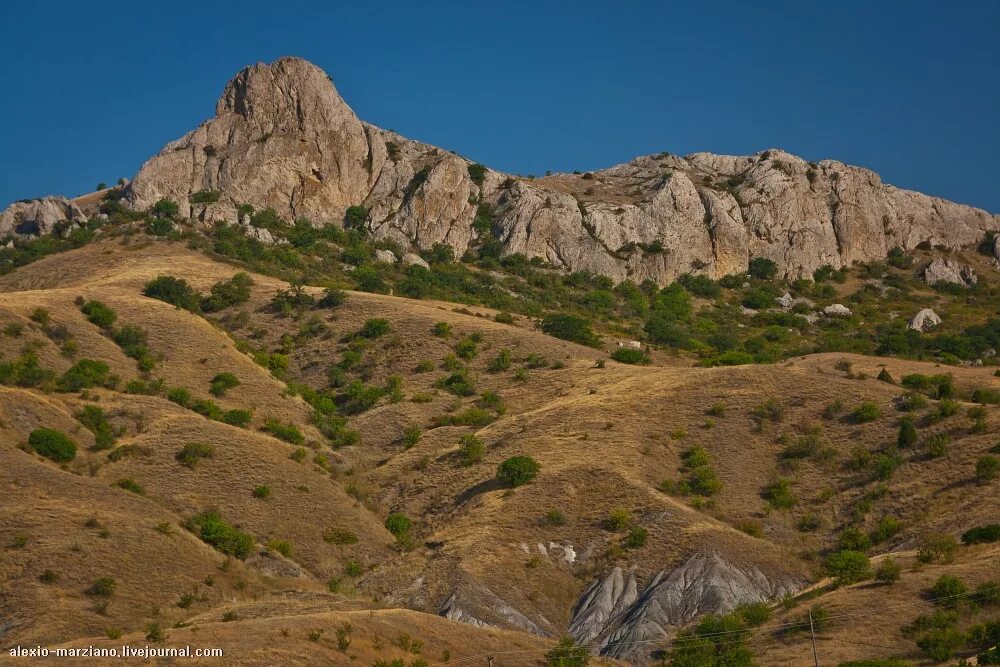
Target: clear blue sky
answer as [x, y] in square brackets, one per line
[910, 89]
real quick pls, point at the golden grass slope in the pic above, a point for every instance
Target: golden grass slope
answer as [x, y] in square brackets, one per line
[606, 438]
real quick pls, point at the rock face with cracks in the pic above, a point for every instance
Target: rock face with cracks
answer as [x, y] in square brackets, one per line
[618, 619]
[282, 137]
[38, 216]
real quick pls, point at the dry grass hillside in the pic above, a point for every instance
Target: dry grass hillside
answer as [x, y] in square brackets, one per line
[613, 442]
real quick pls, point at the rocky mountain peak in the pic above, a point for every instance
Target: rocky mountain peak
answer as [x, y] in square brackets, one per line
[288, 95]
[283, 138]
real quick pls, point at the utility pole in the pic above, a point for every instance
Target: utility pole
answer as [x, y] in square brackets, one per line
[812, 632]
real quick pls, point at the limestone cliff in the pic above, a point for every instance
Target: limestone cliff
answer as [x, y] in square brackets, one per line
[282, 137]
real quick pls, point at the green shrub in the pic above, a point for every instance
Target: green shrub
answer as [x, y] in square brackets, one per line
[477, 173]
[339, 536]
[907, 433]
[174, 291]
[165, 208]
[982, 534]
[636, 538]
[133, 341]
[571, 328]
[704, 481]
[501, 362]
[263, 492]
[471, 448]
[987, 468]
[192, 452]
[937, 445]
[940, 644]
[887, 527]
[628, 355]
[986, 396]
[466, 349]
[866, 412]
[208, 409]
[779, 494]
[411, 435]
[888, 571]
[554, 518]
[809, 523]
[179, 395]
[52, 444]
[848, 566]
[226, 538]
[287, 432]
[355, 217]
[83, 374]
[332, 298]
[754, 613]
[204, 197]
[770, 410]
[40, 316]
[93, 419]
[398, 524]
[517, 471]
[283, 547]
[374, 328]
[715, 640]
[99, 314]
[459, 383]
[103, 587]
[228, 293]
[948, 591]
[223, 382]
[937, 548]
[762, 268]
[130, 484]
[853, 539]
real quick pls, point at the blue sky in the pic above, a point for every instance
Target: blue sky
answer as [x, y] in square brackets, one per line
[910, 89]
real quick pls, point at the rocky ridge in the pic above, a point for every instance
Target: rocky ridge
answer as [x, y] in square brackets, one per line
[282, 137]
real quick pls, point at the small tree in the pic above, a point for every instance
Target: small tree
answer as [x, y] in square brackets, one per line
[567, 654]
[762, 268]
[165, 208]
[848, 566]
[518, 470]
[987, 468]
[907, 433]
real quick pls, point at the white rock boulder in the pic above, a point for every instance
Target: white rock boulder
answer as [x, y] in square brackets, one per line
[946, 270]
[837, 310]
[925, 320]
[413, 259]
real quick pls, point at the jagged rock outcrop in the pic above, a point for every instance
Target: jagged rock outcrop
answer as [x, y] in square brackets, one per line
[604, 601]
[476, 605]
[947, 270]
[925, 320]
[618, 621]
[38, 216]
[282, 137]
